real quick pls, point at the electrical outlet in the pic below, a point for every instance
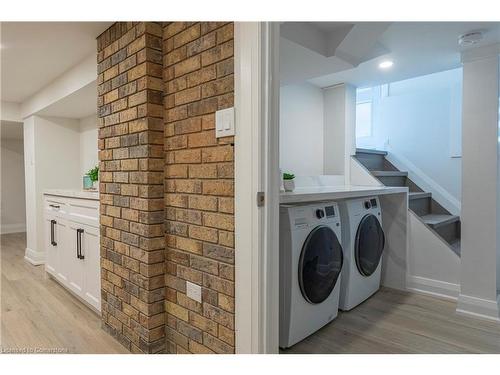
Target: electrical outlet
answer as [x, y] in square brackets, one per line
[193, 291]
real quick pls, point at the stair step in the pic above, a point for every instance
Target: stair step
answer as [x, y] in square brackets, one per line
[419, 195]
[439, 220]
[389, 174]
[372, 152]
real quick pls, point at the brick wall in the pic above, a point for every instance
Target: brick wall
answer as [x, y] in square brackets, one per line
[131, 158]
[199, 188]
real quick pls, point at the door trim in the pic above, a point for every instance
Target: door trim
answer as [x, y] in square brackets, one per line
[256, 170]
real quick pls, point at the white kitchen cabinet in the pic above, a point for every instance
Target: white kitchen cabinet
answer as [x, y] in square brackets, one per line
[92, 263]
[75, 265]
[72, 245]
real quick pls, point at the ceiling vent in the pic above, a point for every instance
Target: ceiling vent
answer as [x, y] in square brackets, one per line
[470, 38]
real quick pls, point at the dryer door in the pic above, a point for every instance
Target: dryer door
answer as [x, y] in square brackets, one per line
[320, 264]
[369, 245]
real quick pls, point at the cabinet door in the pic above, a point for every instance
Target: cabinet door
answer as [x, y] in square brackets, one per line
[52, 234]
[74, 265]
[65, 252]
[92, 268]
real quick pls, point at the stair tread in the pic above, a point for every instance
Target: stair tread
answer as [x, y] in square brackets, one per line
[389, 173]
[419, 195]
[437, 220]
[369, 151]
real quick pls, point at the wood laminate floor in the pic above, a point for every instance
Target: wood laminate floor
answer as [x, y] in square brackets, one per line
[37, 314]
[392, 321]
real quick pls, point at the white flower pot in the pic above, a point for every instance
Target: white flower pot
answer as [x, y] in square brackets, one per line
[289, 185]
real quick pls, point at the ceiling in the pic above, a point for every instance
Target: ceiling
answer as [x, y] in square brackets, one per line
[33, 54]
[417, 48]
[11, 130]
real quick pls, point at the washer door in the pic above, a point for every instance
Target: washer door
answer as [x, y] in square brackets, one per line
[369, 245]
[320, 264]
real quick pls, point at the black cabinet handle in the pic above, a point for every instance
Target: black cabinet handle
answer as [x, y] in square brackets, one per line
[79, 233]
[52, 241]
[54, 206]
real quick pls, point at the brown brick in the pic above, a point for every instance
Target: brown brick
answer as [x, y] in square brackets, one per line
[201, 76]
[197, 348]
[216, 345]
[187, 36]
[204, 139]
[189, 244]
[203, 202]
[218, 53]
[203, 233]
[218, 187]
[186, 66]
[131, 160]
[203, 323]
[187, 96]
[177, 311]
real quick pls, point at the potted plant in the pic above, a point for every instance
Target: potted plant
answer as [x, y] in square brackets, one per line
[288, 181]
[93, 174]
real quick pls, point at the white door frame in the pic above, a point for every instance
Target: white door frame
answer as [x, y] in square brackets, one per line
[256, 170]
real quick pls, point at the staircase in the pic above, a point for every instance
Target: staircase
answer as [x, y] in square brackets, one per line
[431, 213]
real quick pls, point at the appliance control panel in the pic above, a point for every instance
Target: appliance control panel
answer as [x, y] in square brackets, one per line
[314, 214]
[370, 203]
[330, 211]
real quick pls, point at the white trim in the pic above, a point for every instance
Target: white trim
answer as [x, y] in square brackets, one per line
[418, 176]
[256, 169]
[34, 257]
[478, 307]
[13, 228]
[436, 288]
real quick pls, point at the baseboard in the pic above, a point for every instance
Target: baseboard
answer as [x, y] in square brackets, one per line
[34, 257]
[436, 288]
[478, 307]
[12, 228]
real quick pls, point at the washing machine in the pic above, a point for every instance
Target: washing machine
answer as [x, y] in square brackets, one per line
[311, 261]
[363, 241]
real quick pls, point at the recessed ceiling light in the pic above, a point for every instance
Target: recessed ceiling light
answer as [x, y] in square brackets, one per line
[386, 64]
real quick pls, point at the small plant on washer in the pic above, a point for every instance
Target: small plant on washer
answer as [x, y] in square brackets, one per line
[288, 181]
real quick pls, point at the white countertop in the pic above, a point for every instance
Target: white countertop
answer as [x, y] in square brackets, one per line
[320, 193]
[73, 193]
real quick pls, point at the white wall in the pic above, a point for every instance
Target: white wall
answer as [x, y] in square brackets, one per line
[52, 161]
[13, 206]
[10, 111]
[420, 119]
[88, 144]
[301, 129]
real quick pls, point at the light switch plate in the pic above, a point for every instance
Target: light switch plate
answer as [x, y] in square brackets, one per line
[193, 291]
[224, 122]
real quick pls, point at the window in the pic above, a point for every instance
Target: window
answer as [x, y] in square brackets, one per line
[364, 119]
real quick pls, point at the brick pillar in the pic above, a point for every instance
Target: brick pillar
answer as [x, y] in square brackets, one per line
[131, 158]
[199, 188]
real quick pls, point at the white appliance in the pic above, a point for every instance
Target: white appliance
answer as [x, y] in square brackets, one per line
[363, 241]
[311, 261]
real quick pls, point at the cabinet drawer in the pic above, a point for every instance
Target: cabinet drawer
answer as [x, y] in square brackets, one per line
[84, 211]
[55, 205]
